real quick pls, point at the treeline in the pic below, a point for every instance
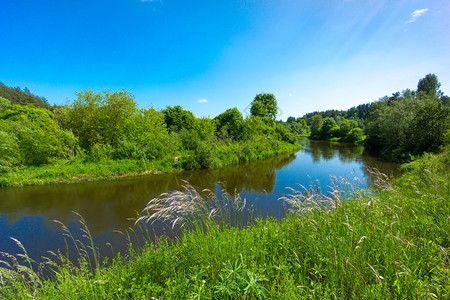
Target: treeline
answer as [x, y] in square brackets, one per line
[411, 122]
[23, 97]
[110, 126]
[406, 124]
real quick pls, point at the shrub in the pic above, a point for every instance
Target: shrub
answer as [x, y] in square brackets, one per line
[9, 151]
[100, 152]
[354, 135]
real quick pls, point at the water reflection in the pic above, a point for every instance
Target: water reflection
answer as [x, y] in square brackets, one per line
[108, 204]
[28, 213]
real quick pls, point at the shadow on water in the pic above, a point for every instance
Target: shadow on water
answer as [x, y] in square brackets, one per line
[28, 213]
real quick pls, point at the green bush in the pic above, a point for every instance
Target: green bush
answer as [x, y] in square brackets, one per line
[129, 150]
[189, 139]
[354, 135]
[9, 152]
[100, 153]
[206, 154]
[284, 134]
[189, 162]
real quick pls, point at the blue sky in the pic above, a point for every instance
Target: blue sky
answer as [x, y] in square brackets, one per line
[212, 55]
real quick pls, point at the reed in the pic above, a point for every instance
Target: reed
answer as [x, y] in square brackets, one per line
[390, 242]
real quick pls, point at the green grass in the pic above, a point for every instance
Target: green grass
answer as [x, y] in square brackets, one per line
[392, 242]
[78, 170]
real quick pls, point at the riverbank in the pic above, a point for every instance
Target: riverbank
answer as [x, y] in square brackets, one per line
[82, 170]
[390, 244]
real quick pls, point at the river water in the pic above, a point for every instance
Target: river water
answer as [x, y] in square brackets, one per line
[108, 207]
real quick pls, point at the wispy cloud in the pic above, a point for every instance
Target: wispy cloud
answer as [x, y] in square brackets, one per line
[416, 14]
[202, 101]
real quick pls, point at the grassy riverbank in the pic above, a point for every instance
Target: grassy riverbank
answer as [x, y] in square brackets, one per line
[394, 243]
[84, 169]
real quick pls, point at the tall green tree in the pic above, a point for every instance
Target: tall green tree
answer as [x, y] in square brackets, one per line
[177, 118]
[264, 105]
[232, 122]
[329, 127]
[316, 126]
[429, 85]
[411, 125]
[98, 117]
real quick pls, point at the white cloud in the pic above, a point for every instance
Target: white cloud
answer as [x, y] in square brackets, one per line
[416, 14]
[202, 101]
[290, 94]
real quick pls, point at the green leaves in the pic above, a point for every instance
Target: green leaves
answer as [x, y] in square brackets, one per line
[38, 138]
[408, 126]
[264, 105]
[99, 117]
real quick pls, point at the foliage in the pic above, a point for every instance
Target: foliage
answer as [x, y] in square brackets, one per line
[346, 126]
[410, 125]
[177, 118]
[9, 151]
[316, 126]
[98, 117]
[4, 104]
[429, 85]
[363, 244]
[205, 127]
[22, 97]
[296, 127]
[354, 135]
[264, 105]
[284, 134]
[99, 128]
[327, 129]
[38, 136]
[231, 122]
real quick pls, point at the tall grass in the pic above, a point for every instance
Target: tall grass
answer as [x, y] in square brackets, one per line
[215, 154]
[389, 242]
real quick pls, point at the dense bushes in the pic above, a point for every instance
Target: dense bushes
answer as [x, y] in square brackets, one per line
[34, 135]
[411, 125]
[326, 129]
[101, 128]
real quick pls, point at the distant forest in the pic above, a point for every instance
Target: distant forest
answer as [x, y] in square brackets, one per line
[400, 126]
[23, 97]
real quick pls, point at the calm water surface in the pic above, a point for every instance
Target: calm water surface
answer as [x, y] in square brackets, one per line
[28, 213]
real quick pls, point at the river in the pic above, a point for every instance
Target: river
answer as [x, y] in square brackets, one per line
[27, 213]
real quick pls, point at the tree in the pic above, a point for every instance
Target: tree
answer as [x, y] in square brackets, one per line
[354, 135]
[264, 105]
[426, 131]
[4, 104]
[9, 151]
[346, 126]
[37, 135]
[290, 120]
[232, 122]
[445, 100]
[316, 126]
[17, 96]
[98, 117]
[429, 85]
[328, 127]
[177, 118]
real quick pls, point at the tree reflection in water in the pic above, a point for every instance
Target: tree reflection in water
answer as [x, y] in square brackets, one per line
[28, 213]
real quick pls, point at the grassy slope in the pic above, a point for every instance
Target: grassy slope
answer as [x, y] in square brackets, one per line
[393, 244]
[76, 171]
